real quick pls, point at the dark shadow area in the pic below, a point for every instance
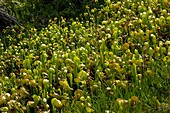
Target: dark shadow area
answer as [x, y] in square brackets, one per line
[37, 13]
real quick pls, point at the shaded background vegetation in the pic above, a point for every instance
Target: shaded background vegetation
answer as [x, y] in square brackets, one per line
[36, 13]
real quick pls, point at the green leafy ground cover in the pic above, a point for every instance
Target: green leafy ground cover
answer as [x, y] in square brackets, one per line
[113, 59]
